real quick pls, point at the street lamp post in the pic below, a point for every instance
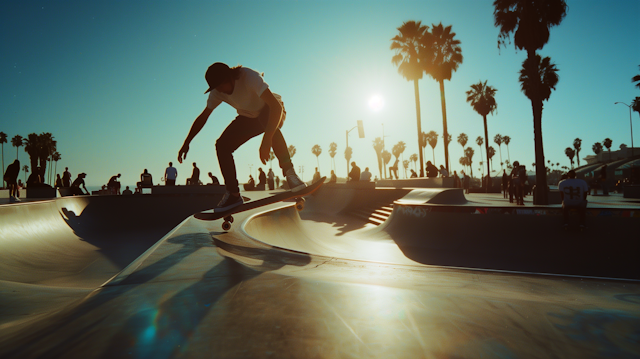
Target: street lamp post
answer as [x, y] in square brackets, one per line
[630, 124]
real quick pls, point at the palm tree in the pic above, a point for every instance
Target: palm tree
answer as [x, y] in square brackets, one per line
[446, 139]
[607, 143]
[570, 152]
[498, 141]
[272, 156]
[397, 149]
[32, 147]
[57, 157]
[468, 154]
[405, 165]
[407, 47]
[423, 144]
[490, 153]
[48, 147]
[333, 149]
[482, 99]
[506, 140]
[401, 147]
[3, 140]
[530, 22]
[577, 144]
[292, 150]
[414, 158]
[636, 79]
[25, 168]
[378, 146]
[432, 140]
[635, 105]
[479, 142]
[462, 140]
[464, 161]
[386, 157]
[441, 57]
[597, 148]
[317, 150]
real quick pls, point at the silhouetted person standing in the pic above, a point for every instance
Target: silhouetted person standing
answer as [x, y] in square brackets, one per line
[262, 180]
[259, 112]
[354, 175]
[66, 178]
[573, 192]
[170, 175]
[11, 177]
[270, 179]
[195, 176]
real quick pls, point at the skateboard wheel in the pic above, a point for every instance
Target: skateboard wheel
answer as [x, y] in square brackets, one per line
[226, 226]
[228, 219]
[299, 204]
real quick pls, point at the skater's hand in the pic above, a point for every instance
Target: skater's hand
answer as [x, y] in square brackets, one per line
[182, 154]
[265, 149]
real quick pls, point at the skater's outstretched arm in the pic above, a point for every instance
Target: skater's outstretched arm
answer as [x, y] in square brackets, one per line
[199, 122]
[275, 113]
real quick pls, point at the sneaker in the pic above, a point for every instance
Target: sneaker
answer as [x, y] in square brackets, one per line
[13, 199]
[295, 183]
[228, 202]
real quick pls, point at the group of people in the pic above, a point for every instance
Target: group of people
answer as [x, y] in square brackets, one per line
[35, 180]
[514, 184]
[269, 179]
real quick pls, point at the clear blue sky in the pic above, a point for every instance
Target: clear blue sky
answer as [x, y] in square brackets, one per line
[119, 83]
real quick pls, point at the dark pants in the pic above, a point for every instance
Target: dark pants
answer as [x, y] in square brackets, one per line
[239, 131]
[582, 212]
[171, 182]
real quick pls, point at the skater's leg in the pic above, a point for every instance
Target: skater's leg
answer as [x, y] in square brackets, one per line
[237, 133]
[278, 144]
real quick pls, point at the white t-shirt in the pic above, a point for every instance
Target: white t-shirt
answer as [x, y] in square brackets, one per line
[171, 173]
[365, 176]
[246, 94]
[574, 190]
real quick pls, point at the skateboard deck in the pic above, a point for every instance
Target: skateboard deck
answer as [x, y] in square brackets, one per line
[210, 215]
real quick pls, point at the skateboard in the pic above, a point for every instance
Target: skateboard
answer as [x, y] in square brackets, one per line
[210, 215]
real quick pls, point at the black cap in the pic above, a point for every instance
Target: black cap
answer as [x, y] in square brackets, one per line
[216, 74]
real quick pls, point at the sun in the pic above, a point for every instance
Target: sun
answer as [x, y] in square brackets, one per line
[376, 103]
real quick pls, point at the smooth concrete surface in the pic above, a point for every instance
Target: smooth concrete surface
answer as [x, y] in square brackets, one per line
[353, 290]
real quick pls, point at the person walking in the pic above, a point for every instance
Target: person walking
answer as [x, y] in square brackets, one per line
[170, 175]
[11, 177]
[66, 177]
[270, 179]
[573, 192]
[259, 112]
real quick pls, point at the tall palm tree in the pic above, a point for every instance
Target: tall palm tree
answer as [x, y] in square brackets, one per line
[432, 140]
[597, 148]
[378, 146]
[636, 79]
[464, 161]
[570, 152]
[25, 169]
[441, 56]
[498, 141]
[317, 150]
[483, 101]
[401, 147]
[272, 156]
[577, 144]
[479, 142]
[462, 140]
[386, 157]
[17, 142]
[398, 149]
[47, 147]
[407, 48]
[333, 149]
[635, 105]
[530, 21]
[423, 144]
[3, 140]
[292, 150]
[490, 153]
[506, 140]
[414, 158]
[607, 144]
[32, 147]
[468, 154]
[405, 165]
[57, 157]
[538, 77]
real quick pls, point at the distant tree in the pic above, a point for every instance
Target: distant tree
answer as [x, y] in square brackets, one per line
[597, 148]
[506, 140]
[464, 161]
[462, 140]
[636, 79]
[423, 144]
[405, 165]
[498, 141]
[635, 105]
[432, 140]
[483, 101]
[480, 142]
[441, 57]
[570, 152]
[399, 147]
[378, 146]
[577, 144]
[25, 168]
[17, 142]
[57, 157]
[407, 46]
[317, 150]
[3, 140]
[272, 156]
[490, 153]
[292, 150]
[333, 149]
[468, 154]
[607, 143]
[386, 157]
[414, 159]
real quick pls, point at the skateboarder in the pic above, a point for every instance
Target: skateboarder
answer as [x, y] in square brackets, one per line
[259, 112]
[573, 192]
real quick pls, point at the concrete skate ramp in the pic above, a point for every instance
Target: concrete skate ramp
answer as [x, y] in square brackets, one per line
[83, 241]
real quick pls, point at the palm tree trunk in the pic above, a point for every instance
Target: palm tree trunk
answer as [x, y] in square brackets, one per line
[415, 86]
[541, 173]
[486, 147]
[444, 126]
